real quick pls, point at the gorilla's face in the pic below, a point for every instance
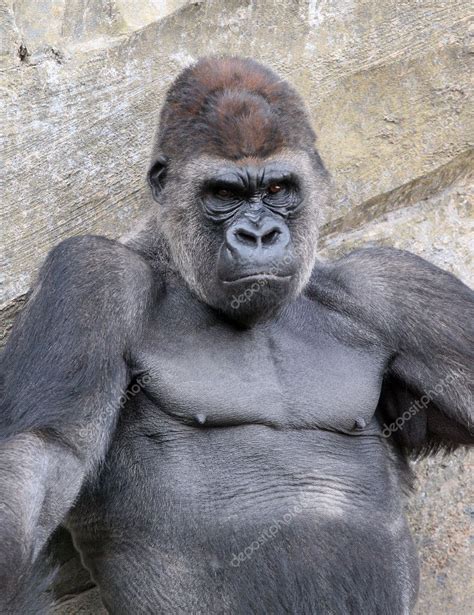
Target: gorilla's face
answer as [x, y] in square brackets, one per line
[243, 234]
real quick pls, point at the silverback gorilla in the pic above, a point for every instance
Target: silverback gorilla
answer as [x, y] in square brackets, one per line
[220, 420]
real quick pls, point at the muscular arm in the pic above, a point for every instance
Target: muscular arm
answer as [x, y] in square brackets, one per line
[424, 317]
[63, 372]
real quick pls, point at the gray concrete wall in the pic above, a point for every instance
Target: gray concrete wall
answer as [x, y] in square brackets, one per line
[388, 85]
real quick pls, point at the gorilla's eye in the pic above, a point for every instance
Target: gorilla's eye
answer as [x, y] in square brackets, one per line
[274, 188]
[223, 193]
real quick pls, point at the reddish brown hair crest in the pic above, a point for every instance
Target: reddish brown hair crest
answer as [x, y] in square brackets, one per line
[231, 107]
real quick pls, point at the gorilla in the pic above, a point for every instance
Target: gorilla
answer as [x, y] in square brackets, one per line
[220, 419]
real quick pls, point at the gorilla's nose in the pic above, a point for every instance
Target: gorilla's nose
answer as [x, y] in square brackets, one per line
[248, 240]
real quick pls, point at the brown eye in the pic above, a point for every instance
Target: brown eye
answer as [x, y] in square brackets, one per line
[274, 188]
[224, 193]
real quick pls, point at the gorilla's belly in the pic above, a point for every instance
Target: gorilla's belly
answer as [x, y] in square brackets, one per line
[245, 519]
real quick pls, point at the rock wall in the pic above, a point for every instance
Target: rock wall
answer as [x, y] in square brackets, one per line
[387, 83]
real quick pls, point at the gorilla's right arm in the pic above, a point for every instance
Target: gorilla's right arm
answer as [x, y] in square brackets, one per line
[63, 371]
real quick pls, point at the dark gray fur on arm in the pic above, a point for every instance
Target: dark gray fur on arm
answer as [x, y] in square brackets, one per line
[63, 371]
[424, 316]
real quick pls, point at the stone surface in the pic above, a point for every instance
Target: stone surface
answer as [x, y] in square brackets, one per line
[441, 519]
[387, 84]
[71, 23]
[432, 216]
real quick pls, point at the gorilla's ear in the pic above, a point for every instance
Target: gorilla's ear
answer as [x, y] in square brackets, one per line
[318, 161]
[157, 175]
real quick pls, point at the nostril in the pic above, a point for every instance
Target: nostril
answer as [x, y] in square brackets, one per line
[271, 237]
[246, 237]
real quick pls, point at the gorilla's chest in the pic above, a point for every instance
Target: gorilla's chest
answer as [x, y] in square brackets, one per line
[282, 375]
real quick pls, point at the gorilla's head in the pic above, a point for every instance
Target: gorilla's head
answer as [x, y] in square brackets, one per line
[240, 185]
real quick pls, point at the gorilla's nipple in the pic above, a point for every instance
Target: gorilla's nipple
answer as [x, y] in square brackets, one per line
[359, 424]
[200, 419]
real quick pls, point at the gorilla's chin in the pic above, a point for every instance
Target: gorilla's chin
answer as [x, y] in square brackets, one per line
[255, 298]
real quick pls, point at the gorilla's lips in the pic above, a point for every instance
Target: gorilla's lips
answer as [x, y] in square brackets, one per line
[260, 276]
[232, 270]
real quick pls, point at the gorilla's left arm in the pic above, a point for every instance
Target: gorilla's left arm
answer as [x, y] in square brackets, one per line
[65, 366]
[424, 317]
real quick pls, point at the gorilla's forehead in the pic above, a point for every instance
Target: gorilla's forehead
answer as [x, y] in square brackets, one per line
[291, 161]
[253, 173]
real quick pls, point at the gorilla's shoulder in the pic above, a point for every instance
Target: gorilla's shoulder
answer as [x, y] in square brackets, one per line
[386, 285]
[97, 254]
[92, 247]
[378, 269]
[367, 275]
[93, 264]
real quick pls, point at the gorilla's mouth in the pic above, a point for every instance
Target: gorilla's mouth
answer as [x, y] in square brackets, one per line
[259, 277]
